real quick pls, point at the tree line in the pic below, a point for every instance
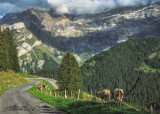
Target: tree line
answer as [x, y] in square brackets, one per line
[47, 73]
[8, 51]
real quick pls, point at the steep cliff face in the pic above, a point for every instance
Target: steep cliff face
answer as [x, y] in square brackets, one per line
[34, 54]
[83, 35]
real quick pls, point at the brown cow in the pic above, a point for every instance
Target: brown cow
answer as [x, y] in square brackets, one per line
[40, 87]
[104, 95]
[45, 86]
[119, 96]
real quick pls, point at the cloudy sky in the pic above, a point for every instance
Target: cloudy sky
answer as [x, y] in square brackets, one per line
[64, 6]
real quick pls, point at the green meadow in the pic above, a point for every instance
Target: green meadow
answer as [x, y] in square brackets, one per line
[87, 105]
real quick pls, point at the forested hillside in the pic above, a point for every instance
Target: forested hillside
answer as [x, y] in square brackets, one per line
[8, 51]
[133, 66]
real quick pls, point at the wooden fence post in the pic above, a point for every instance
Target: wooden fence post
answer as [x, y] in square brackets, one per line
[91, 92]
[65, 96]
[151, 109]
[78, 93]
[55, 94]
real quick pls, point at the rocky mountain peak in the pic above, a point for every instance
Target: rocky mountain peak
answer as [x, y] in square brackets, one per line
[83, 35]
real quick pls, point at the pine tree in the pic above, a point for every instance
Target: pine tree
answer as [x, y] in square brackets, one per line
[8, 48]
[1, 51]
[12, 54]
[8, 51]
[69, 76]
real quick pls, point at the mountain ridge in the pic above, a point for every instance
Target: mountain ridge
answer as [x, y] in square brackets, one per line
[83, 35]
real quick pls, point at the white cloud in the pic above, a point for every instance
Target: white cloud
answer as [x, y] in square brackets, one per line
[1, 16]
[82, 6]
[65, 6]
[62, 9]
[89, 6]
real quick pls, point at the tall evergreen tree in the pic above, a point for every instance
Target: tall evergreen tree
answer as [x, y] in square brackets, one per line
[8, 48]
[69, 76]
[8, 51]
[12, 54]
[3, 51]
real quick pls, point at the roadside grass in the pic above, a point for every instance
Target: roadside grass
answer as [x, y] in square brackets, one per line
[27, 75]
[10, 79]
[88, 97]
[87, 105]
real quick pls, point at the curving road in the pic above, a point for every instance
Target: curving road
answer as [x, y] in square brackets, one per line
[52, 81]
[19, 101]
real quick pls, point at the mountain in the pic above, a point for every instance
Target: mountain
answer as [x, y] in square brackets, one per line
[43, 37]
[133, 66]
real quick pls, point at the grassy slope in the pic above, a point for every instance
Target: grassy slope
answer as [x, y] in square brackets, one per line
[45, 49]
[86, 106]
[10, 80]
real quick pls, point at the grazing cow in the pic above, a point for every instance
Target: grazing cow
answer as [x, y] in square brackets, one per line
[104, 95]
[45, 86]
[40, 87]
[118, 94]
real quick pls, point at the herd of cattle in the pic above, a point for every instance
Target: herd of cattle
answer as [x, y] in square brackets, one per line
[118, 95]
